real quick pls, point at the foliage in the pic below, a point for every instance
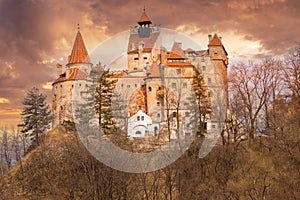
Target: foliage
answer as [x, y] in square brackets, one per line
[36, 114]
[103, 99]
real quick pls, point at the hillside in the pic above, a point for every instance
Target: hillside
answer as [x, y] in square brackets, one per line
[61, 168]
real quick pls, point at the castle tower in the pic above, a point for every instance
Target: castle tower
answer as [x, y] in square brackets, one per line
[74, 76]
[142, 45]
[219, 55]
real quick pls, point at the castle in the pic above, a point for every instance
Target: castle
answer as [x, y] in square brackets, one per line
[151, 70]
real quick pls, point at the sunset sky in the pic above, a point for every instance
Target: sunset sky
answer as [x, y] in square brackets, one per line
[37, 34]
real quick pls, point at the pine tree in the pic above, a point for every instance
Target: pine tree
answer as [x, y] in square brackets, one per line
[36, 114]
[200, 91]
[103, 99]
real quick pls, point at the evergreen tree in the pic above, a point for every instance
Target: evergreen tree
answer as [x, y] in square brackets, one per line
[103, 99]
[201, 94]
[36, 114]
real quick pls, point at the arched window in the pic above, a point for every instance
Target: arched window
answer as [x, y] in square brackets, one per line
[138, 118]
[150, 89]
[138, 132]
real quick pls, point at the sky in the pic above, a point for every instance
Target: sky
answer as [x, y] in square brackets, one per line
[37, 34]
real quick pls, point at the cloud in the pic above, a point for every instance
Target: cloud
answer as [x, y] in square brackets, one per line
[36, 34]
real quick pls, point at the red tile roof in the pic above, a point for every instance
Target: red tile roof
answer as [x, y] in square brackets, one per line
[177, 51]
[154, 70]
[144, 17]
[79, 53]
[215, 41]
[75, 74]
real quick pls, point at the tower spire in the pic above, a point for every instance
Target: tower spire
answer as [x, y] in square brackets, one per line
[79, 53]
[144, 19]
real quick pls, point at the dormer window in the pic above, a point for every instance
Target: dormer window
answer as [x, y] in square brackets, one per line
[141, 45]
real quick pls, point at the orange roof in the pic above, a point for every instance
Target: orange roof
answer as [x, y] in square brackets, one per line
[79, 53]
[144, 17]
[176, 51]
[215, 41]
[75, 74]
[154, 70]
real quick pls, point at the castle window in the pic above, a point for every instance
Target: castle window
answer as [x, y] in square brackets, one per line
[216, 53]
[135, 85]
[138, 118]
[203, 68]
[61, 108]
[135, 68]
[145, 58]
[79, 84]
[150, 89]
[209, 80]
[157, 103]
[158, 114]
[159, 88]
[209, 94]
[202, 58]
[136, 58]
[122, 85]
[142, 117]
[61, 86]
[72, 86]
[138, 132]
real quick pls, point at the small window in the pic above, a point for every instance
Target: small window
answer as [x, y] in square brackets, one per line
[159, 88]
[150, 89]
[178, 71]
[213, 126]
[128, 86]
[135, 85]
[61, 108]
[209, 94]
[173, 85]
[145, 58]
[80, 85]
[203, 68]
[135, 68]
[158, 114]
[138, 132]
[216, 53]
[143, 118]
[136, 58]
[122, 85]
[187, 114]
[72, 86]
[184, 85]
[157, 103]
[209, 80]
[138, 118]
[61, 86]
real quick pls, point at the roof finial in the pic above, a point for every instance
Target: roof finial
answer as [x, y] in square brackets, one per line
[78, 27]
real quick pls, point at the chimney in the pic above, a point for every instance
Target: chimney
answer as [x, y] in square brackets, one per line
[180, 44]
[59, 69]
[67, 71]
[162, 55]
[209, 37]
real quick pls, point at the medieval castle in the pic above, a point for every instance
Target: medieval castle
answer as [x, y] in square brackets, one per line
[151, 69]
